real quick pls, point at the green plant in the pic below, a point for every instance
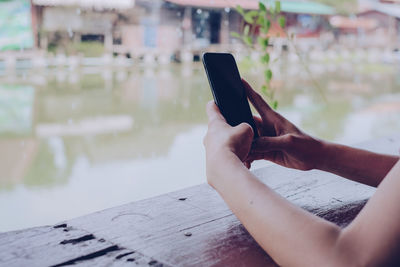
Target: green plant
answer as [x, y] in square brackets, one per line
[261, 20]
[88, 49]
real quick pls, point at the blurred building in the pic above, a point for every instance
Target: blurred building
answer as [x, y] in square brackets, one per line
[126, 26]
[61, 22]
[133, 27]
[214, 20]
[167, 29]
[376, 24]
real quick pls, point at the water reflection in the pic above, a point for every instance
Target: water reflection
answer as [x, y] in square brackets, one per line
[76, 141]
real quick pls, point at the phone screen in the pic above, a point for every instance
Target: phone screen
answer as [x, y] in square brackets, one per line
[227, 88]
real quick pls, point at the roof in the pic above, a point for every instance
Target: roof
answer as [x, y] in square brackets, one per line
[306, 8]
[97, 4]
[389, 9]
[353, 23]
[392, 9]
[300, 7]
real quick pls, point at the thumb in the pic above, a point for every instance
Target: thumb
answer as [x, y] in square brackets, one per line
[266, 143]
[244, 129]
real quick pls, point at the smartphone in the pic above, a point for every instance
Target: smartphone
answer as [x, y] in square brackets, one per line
[227, 89]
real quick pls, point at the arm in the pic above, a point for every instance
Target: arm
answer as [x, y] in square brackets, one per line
[283, 143]
[355, 164]
[290, 235]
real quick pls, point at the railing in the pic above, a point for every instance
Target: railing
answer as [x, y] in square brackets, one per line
[190, 227]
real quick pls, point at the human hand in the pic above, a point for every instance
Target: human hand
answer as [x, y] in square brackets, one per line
[280, 141]
[223, 142]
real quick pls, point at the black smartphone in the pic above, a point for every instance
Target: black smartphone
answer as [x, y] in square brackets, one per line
[227, 89]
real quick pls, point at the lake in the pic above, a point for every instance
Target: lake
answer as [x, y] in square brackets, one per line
[75, 141]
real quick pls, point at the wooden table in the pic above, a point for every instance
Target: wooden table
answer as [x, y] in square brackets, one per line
[190, 227]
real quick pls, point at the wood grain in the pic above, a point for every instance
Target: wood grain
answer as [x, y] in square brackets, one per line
[190, 227]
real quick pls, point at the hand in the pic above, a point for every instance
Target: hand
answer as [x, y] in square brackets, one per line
[280, 141]
[224, 142]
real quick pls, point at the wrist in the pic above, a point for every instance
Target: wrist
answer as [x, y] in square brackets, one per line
[220, 164]
[324, 156]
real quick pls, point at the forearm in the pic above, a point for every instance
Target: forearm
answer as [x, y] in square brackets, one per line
[290, 235]
[355, 164]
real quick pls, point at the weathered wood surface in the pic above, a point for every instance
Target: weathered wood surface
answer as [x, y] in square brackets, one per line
[190, 227]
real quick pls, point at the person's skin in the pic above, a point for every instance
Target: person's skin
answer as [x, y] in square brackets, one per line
[292, 148]
[290, 235]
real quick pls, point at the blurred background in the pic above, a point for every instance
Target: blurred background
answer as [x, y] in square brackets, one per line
[103, 102]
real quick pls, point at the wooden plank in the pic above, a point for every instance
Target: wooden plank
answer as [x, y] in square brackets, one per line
[217, 236]
[63, 245]
[189, 227]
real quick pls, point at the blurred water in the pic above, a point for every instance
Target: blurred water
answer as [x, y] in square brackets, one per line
[76, 141]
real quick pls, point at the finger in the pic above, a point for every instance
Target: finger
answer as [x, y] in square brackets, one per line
[244, 128]
[213, 112]
[267, 114]
[257, 120]
[258, 102]
[247, 164]
[264, 129]
[259, 125]
[266, 144]
[252, 156]
[260, 155]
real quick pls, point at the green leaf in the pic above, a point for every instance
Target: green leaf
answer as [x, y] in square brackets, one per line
[267, 26]
[265, 58]
[275, 104]
[282, 21]
[266, 42]
[240, 10]
[249, 19]
[268, 75]
[272, 11]
[249, 16]
[278, 7]
[260, 41]
[247, 40]
[261, 19]
[246, 30]
[263, 42]
[261, 6]
[253, 13]
[264, 89]
[236, 35]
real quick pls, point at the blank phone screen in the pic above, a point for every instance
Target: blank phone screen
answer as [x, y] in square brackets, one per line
[228, 91]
